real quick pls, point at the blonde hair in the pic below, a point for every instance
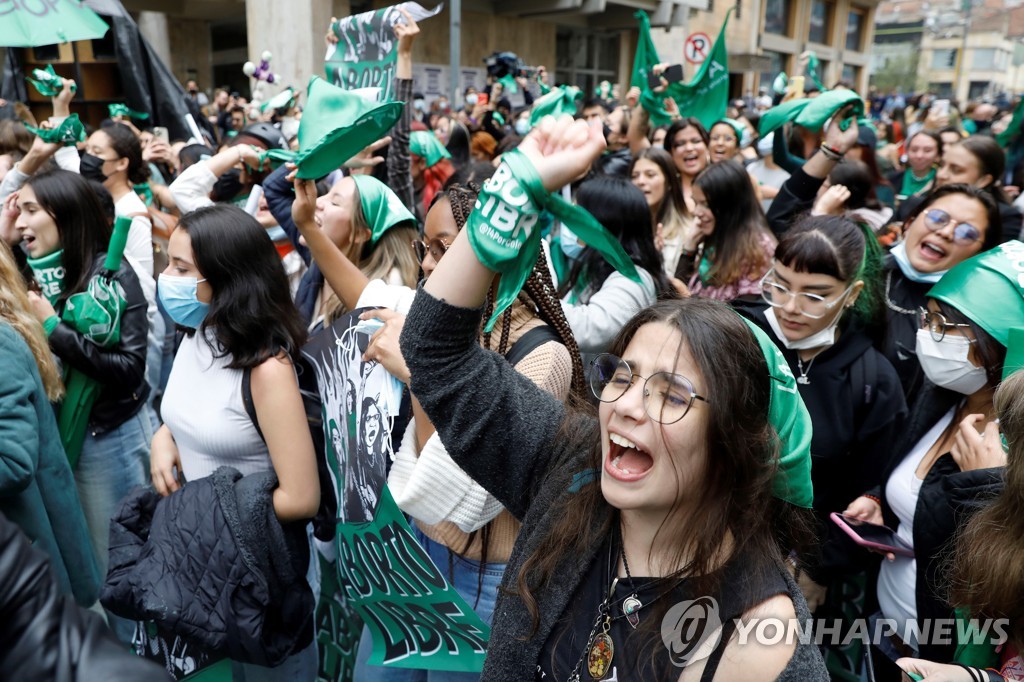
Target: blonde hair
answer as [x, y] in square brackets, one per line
[16, 311]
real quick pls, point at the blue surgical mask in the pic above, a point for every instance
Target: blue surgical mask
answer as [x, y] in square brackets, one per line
[570, 243]
[899, 252]
[179, 296]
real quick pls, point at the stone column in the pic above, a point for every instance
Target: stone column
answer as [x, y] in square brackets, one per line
[153, 27]
[293, 33]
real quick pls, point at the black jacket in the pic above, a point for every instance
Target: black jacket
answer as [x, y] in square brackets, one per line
[120, 369]
[900, 345]
[796, 195]
[212, 564]
[947, 499]
[46, 636]
[856, 406]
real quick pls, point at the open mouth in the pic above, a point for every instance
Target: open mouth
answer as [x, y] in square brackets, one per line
[626, 460]
[932, 252]
[318, 220]
[28, 240]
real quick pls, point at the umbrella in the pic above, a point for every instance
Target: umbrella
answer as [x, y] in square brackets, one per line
[46, 23]
[95, 313]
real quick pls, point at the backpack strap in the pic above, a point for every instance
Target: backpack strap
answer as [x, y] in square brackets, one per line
[250, 406]
[529, 342]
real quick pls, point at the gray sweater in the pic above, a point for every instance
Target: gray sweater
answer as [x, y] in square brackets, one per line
[501, 429]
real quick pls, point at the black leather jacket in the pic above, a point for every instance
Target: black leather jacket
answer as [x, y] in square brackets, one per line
[46, 636]
[122, 368]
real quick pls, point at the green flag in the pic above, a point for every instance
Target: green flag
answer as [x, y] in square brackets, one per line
[706, 97]
[646, 53]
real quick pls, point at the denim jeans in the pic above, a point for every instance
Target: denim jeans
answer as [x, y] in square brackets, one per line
[154, 367]
[465, 578]
[111, 464]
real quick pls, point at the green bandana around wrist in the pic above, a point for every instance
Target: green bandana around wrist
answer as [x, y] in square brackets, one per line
[812, 112]
[117, 109]
[47, 83]
[505, 235]
[381, 206]
[561, 100]
[69, 132]
[788, 415]
[426, 146]
[48, 272]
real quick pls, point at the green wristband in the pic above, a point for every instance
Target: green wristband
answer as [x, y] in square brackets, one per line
[49, 324]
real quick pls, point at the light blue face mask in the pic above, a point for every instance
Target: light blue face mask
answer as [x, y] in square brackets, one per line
[522, 127]
[899, 252]
[570, 243]
[179, 296]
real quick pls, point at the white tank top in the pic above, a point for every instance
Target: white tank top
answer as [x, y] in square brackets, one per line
[203, 408]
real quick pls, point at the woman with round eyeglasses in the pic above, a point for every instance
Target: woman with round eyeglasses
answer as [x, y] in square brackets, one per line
[664, 495]
[950, 225]
[940, 464]
[824, 310]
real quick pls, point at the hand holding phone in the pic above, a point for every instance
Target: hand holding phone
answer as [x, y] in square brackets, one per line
[160, 133]
[671, 74]
[872, 536]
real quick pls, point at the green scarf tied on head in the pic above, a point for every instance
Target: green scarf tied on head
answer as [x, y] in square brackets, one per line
[122, 110]
[812, 112]
[426, 145]
[48, 272]
[504, 231]
[70, 132]
[381, 206]
[561, 100]
[47, 83]
[788, 415]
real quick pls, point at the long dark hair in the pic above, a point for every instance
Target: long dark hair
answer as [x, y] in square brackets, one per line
[838, 247]
[992, 160]
[735, 244]
[993, 233]
[856, 177]
[622, 209]
[673, 200]
[735, 495]
[127, 145]
[83, 228]
[682, 124]
[252, 313]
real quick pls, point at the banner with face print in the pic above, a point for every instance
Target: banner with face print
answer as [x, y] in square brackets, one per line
[367, 49]
[378, 572]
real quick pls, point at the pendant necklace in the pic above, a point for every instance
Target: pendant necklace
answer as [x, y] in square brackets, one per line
[802, 379]
[632, 603]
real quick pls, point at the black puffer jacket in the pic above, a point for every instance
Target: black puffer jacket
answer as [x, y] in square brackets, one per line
[212, 564]
[121, 369]
[46, 636]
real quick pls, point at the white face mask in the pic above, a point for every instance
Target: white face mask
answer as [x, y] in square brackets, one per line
[947, 365]
[471, 99]
[823, 339]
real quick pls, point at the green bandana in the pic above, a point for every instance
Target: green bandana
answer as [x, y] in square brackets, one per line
[780, 83]
[544, 87]
[122, 110]
[336, 126]
[48, 272]
[508, 84]
[561, 100]
[813, 67]
[144, 191]
[788, 414]
[277, 156]
[988, 289]
[281, 100]
[426, 145]
[47, 83]
[912, 186]
[503, 228]
[382, 207]
[735, 125]
[69, 132]
[812, 112]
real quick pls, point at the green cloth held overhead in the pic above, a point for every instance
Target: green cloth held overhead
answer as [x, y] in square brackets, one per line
[336, 125]
[47, 82]
[813, 69]
[989, 290]
[560, 100]
[69, 132]
[281, 100]
[381, 206]
[122, 110]
[780, 84]
[812, 112]
[425, 145]
[508, 84]
[788, 414]
[505, 233]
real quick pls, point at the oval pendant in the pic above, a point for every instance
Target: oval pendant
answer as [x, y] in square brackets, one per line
[599, 659]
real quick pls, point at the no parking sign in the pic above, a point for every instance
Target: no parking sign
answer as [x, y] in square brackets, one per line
[697, 47]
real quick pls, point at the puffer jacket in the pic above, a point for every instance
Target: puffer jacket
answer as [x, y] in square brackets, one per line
[43, 634]
[212, 564]
[121, 369]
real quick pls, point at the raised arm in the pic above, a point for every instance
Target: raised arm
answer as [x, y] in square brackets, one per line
[399, 175]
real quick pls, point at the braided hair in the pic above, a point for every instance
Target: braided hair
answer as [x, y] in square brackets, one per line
[539, 288]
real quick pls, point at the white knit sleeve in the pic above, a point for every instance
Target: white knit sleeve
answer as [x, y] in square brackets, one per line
[432, 488]
[191, 189]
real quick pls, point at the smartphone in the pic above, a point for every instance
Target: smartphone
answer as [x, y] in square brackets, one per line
[482, 99]
[941, 107]
[872, 536]
[160, 133]
[671, 74]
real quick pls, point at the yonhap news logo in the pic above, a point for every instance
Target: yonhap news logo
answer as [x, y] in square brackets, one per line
[691, 630]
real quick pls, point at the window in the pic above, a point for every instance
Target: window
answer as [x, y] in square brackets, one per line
[941, 89]
[821, 22]
[778, 65]
[585, 58]
[776, 17]
[850, 74]
[855, 31]
[944, 59]
[978, 89]
[983, 58]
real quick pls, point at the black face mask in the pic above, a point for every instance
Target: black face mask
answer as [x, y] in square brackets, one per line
[228, 186]
[91, 168]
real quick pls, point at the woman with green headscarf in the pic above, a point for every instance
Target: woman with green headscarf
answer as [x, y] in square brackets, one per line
[430, 166]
